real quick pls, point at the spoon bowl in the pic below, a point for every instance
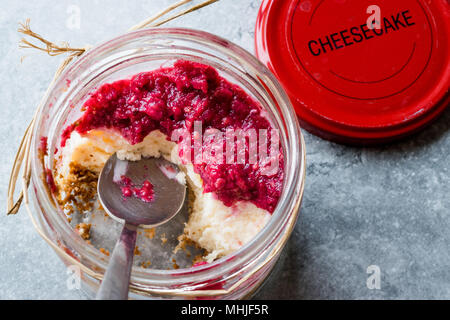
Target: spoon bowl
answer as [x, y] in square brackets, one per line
[169, 193]
[134, 210]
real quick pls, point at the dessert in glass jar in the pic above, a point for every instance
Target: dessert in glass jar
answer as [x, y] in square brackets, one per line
[205, 105]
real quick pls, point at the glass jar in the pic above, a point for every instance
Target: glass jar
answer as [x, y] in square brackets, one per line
[234, 276]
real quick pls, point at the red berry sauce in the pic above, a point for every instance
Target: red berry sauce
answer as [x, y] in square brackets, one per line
[43, 146]
[129, 189]
[50, 181]
[173, 98]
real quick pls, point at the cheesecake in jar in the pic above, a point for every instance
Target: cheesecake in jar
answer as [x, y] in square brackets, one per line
[219, 136]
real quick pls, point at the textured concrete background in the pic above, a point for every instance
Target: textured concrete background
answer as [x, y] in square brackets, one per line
[388, 206]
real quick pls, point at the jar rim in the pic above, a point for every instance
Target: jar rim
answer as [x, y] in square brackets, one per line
[292, 185]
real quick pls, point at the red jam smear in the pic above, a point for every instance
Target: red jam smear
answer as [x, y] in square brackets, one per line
[43, 149]
[43, 145]
[50, 181]
[198, 264]
[173, 98]
[129, 189]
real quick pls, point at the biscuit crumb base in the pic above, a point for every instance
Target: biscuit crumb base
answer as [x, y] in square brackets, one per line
[104, 251]
[78, 190]
[149, 233]
[83, 230]
[163, 238]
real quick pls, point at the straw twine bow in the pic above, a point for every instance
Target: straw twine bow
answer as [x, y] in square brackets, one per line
[22, 159]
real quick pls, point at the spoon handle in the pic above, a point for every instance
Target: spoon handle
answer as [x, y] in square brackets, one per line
[117, 277]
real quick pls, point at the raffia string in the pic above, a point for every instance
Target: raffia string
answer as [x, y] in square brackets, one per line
[182, 13]
[50, 48]
[148, 21]
[22, 159]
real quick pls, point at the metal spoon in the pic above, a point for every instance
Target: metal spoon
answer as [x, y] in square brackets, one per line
[168, 199]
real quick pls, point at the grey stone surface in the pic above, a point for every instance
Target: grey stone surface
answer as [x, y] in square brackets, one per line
[386, 206]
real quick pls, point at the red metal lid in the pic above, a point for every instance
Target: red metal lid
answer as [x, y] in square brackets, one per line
[359, 71]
